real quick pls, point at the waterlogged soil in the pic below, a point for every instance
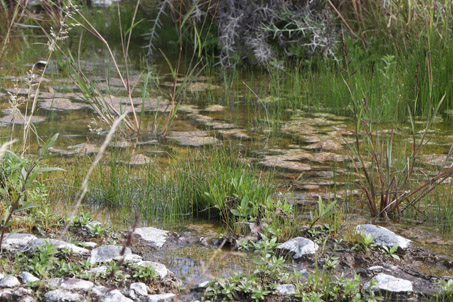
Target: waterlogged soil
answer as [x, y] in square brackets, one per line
[307, 151]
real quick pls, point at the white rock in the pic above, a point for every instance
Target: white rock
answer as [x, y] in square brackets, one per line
[382, 236]
[114, 296]
[299, 246]
[99, 291]
[18, 294]
[390, 284]
[33, 244]
[376, 268]
[160, 269]
[161, 298]
[286, 289]
[61, 295]
[107, 253]
[70, 284]
[27, 278]
[89, 244]
[156, 237]
[17, 241]
[2, 276]
[139, 288]
[99, 270]
[9, 281]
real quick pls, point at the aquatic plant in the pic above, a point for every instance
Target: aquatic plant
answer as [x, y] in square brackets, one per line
[388, 181]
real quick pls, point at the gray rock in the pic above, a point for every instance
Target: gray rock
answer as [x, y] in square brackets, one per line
[99, 270]
[17, 295]
[382, 236]
[384, 283]
[27, 278]
[98, 291]
[17, 241]
[155, 237]
[61, 295]
[139, 288]
[115, 296]
[88, 244]
[2, 276]
[299, 246]
[70, 284]
[160, 269]
[33, 244]
[376, 268]
[9, 281]
[286, 289]
[161, 298]
[107, 253]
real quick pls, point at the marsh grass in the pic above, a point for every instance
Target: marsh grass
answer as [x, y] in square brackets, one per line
[210, 183]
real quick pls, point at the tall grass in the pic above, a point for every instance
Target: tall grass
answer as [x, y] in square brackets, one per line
[211, 184]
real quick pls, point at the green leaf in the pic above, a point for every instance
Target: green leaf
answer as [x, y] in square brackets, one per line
[48, 144]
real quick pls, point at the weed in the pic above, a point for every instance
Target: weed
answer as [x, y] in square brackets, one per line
[144, 273]
[82, 219]
[391, 251]
[446, 288]
[97, 230]
[364, 243]
[20, 189]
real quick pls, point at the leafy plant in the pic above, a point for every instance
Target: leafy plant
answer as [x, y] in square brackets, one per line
[446, 288]
[364, 242]
[20, 189]
[82, 219]
[391, 251]
[321, 212]
[144, 273]
[97, 230]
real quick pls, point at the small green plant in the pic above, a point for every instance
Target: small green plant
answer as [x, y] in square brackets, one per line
[391, 251]
[82, 219]
[97, 230]
[322, 212]
[44, 260]
[144, 273]
[364, 243]
[446, 290]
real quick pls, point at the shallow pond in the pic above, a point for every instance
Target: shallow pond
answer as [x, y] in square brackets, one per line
[304, 146]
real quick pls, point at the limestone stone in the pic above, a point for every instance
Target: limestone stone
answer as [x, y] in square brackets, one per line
[384, 283]
[139, 288]
[107, 253]
[161, 298]
[59, 244]
[286, 289]
[114, 296]
[192, 138]
[70, 284]
[383, 236]
[299, 246]
[17, 241]
[61, 295]
[153, 236]
[27, 277]
[160, 269]
[9, 281]
[18, 294]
